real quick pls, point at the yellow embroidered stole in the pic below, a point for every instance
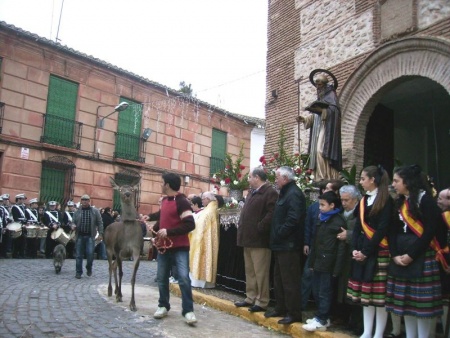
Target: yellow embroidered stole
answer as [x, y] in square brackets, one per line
[446, 217]
[416, 227]
[368, 231]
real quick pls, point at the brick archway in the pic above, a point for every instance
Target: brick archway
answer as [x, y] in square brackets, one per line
[415, 56]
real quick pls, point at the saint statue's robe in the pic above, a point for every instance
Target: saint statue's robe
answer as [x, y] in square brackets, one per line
[325, 146]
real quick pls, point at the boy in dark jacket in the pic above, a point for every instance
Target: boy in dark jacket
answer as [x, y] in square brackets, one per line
[327, 258]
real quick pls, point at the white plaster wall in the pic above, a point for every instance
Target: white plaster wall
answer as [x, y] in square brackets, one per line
[257, 139]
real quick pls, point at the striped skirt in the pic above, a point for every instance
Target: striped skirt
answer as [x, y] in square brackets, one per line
[418, 297]
[371, 293]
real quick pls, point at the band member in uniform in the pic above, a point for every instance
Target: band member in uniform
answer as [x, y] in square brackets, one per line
[19, 216]
[52, 219]
[41, 213]
[67, 226]
[32, 244]
[5, 239]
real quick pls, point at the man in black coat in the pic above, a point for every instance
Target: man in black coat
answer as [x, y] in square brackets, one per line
[286, 242]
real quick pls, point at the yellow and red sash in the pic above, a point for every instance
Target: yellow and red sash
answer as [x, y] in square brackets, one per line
[446, 217]
[416, 227]
[368, 231]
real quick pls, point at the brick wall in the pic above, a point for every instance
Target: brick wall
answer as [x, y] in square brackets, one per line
[181, 140]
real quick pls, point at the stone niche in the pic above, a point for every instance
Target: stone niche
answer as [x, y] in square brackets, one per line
[397, 17]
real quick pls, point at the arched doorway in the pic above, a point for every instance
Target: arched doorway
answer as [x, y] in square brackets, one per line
[396, 108]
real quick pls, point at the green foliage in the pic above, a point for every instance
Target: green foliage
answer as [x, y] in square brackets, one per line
[185, 89]
[232, 175]
[299, 163]
[349, 176]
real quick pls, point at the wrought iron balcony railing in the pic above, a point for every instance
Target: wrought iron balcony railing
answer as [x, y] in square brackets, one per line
[61, 131]
[216, 164]
[129, 147]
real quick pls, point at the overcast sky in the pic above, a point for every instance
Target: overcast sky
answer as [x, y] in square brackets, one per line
[217, 46]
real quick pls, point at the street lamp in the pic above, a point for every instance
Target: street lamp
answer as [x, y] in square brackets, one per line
[120, 107]
[101, 121]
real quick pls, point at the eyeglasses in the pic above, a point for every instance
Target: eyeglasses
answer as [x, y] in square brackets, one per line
[85, 199]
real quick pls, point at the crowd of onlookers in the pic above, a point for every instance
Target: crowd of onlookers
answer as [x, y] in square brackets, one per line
[365, 256]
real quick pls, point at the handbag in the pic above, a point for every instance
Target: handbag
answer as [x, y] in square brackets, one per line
[415, 268]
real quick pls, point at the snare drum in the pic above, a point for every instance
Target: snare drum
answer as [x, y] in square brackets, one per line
[15, 229]
[32, 231]
[60, 236]
[42, 232]
[72, 236]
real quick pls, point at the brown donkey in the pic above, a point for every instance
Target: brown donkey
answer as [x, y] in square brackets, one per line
[124, 240]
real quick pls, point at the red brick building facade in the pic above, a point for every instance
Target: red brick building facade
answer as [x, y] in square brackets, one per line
[391, 59]
[181, 142]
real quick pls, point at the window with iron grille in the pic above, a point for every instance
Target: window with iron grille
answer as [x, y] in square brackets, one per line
[218, 151]
[128, 136]
[60, 127]
[57, 180]
[129, 177]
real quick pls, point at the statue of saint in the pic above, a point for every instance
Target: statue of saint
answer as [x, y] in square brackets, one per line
[325, 147]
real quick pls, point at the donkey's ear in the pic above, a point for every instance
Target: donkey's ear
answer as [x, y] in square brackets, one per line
[113, 183]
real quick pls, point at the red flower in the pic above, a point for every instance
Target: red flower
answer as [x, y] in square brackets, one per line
[276, 155]
[262, 159]
[227, 180]
[272, 159]
[296, 154]
[242, 167]
[309, 171]
[227, 167]
[239, 175]
[298, 171]
[264, 162]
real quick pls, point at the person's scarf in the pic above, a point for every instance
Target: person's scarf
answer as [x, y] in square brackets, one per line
[325, 216]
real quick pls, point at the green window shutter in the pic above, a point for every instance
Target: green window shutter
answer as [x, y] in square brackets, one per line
[218, 150]
[61, 108]
[52, 184]
[129, 131]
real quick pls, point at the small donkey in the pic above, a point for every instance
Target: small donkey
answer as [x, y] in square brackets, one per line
[124, 240]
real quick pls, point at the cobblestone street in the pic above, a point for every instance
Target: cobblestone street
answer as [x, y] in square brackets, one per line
[36, 302]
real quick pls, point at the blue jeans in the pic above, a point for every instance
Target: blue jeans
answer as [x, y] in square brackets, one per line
[322, 291]
[181, 260]
[84, 244]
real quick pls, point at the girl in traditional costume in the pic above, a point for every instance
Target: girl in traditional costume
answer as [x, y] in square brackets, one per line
[414, 286]
[367, 282]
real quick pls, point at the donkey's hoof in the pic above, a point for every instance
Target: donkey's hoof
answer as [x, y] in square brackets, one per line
[118, 299]
[133, 307]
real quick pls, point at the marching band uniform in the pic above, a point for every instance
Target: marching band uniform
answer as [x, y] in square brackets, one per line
[53, 220]
[6, 242]
[67, 226]
[32, 215]
[19, 216]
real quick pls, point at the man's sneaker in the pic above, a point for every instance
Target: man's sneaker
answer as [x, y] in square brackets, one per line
[190, 318]
[309, 321]
[89, 273]
[78, 276]
[161, 312]
[173, 280]
[314, 325]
